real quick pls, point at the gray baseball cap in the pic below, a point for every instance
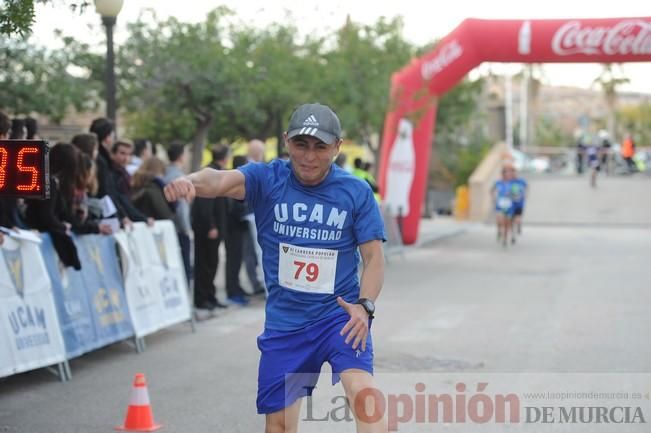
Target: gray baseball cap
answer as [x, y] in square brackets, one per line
[316, 120]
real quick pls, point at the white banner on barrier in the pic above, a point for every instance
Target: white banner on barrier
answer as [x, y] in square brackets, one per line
[155, 282]
[30, 336]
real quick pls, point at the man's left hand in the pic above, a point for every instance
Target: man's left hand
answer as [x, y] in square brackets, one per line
[357, 326]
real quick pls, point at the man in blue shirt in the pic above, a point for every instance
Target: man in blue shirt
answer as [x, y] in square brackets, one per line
[519, 192]
[313, 220]
[504, 206]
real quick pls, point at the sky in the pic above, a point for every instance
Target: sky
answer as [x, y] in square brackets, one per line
[424, 21]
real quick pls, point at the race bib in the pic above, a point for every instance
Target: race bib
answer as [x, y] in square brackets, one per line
[310, 270]
[504, 203]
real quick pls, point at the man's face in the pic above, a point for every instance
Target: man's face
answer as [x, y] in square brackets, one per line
[122, 156]
[508, 173]
[311, 158]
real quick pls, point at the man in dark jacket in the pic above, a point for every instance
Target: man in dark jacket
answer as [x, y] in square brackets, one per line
[209, 226]
[103, 128]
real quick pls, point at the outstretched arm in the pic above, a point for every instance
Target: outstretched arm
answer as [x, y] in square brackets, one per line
[208, 183]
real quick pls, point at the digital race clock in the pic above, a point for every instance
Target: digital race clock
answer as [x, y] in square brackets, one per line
[24, 169]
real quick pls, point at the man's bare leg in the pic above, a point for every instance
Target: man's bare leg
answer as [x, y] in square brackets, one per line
[354, 381]
[284, 421]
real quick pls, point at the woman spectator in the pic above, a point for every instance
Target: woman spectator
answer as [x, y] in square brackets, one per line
[54, 214]
[88, 146]
[238, 227]
[85, 219]
[87, 143]
[148, 187]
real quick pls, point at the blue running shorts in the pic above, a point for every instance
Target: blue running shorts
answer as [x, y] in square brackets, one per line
[290, 361]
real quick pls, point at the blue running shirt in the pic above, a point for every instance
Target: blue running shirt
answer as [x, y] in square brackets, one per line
[504, 202]
[309, 237]
[518, 190]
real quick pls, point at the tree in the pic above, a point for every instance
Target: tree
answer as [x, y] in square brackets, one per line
[609, 84]
[460, 143]
[280, 73]
[358, 74]
[636, 119]
[36, 80]
[183, 68]
[17, 16]
[549, 133]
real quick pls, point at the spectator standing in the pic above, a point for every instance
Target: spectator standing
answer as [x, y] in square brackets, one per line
[628, 152]
[142, 150]
[176, 156]
[209, 226]
[53, 215]
[252, 253]
[120, 155]
[148, 187]
[238, 227]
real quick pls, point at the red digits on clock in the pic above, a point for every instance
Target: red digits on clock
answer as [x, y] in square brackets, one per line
[3, 167]
[33, 185]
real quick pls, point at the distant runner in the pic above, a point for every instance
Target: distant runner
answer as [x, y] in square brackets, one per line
[519, 192]
[503, 199]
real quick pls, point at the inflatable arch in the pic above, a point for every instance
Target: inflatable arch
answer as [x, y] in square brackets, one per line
[410, 120]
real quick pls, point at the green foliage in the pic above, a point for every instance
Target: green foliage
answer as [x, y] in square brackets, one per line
[221, 80]
[17, 16]
[236, 81]
[637, 121]
[36, 80]
[465, 160]
[179, 68]
[460, 139]
[159, 125]
[358, 73]
[275, 74]
[550, 133]
[458, 107]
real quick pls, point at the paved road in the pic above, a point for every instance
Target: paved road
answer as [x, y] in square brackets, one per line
[566, 298]
[569, 200]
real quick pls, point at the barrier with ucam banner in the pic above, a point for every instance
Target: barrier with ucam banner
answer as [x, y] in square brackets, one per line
[30, 335]
[415, 89]
[51, 313]
[91, 303]
[154, 276]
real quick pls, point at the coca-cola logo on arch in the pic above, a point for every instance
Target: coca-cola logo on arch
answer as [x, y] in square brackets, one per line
[448, 54]
[625, 37]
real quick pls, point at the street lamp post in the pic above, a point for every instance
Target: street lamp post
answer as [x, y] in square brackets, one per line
[109, 10]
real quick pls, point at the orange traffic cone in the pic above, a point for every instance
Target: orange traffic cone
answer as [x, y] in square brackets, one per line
[139, 415]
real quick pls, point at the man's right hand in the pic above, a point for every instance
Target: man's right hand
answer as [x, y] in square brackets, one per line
[181, 187]
[213, 234]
